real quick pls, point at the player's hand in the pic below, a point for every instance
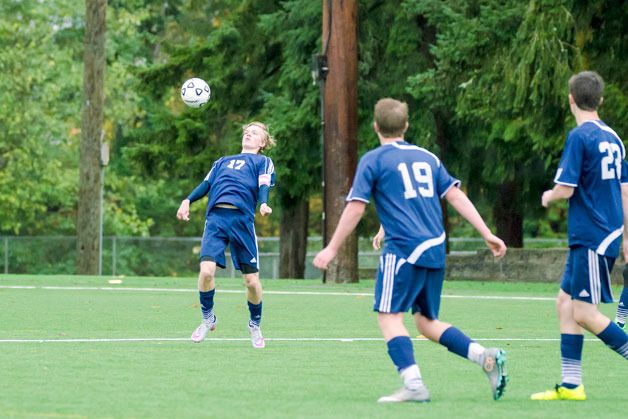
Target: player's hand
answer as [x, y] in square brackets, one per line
[322, 258]
[264, 210]
[545, 198]
[183, 213]
[497, 246]
[377, 239]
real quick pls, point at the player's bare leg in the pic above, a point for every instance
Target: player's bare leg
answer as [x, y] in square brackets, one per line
[492, 360]
[206, 287]
[254, 298]
[571, 335]
[401, 352]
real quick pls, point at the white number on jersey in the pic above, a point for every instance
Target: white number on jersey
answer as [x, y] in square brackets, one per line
[422, 173]
[236, 164]
[611, 163]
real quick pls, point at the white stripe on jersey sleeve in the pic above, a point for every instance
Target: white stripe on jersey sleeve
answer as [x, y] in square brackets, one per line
[456, 183]
[352, 198]
[212, 169]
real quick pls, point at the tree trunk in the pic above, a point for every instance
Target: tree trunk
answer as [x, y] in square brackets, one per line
[341, 127]
[89, 204]
[507, 214]
[293, 240]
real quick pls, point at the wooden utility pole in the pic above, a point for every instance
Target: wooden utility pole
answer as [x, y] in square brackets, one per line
[340, 45]
[87, 226]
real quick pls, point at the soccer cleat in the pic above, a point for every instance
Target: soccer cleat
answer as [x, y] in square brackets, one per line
[201, 331]
[561, 393]
[421, 395]
[493, 362]
[257, 340]
[622, 326]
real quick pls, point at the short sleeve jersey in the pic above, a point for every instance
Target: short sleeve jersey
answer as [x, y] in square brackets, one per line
[236, 180]
[593, 162]
[406, 183]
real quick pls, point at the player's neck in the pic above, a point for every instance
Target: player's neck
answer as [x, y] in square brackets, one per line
[384, 140]
[585, 116]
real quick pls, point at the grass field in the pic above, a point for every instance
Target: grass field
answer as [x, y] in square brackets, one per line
[73, 347]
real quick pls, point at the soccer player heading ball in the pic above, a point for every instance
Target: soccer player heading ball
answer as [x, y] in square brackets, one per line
[406, 182]
[234, 186]
[593, 175]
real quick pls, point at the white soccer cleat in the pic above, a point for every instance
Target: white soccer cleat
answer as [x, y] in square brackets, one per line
[493, 362]
[257, 340]
[420, 395]
[201, 331]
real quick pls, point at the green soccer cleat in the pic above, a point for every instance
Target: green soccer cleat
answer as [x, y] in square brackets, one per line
[493, 362]
[561, 393]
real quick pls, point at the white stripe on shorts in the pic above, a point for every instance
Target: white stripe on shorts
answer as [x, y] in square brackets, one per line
[387, 283]
[594, 277]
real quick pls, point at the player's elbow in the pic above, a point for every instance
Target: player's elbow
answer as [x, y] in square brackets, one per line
[356, 208]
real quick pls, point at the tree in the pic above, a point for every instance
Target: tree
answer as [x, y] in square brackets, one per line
[91, 138]
[290, 106]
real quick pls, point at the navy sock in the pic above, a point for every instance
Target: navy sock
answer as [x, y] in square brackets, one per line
[207, 303]
[571, 359]
[256, 313]
[401, 352]
[455, 341]
[615, 338]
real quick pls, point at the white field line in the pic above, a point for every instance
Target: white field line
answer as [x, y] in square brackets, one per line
[331, 293]
[126, 340]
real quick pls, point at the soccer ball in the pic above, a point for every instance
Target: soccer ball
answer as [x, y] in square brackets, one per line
[195, 92]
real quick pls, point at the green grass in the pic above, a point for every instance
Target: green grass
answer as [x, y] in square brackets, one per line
[290, 378]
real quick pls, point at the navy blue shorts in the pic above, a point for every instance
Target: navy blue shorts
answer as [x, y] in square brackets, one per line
[226, 226]
[400, 286]
[587, 276]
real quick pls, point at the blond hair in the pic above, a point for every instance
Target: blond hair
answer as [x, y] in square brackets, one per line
[269, 141]
[391, 117]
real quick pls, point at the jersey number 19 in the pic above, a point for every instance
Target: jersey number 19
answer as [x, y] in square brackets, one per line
[422, 173]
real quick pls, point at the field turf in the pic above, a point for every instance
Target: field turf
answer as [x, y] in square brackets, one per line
[74, 347]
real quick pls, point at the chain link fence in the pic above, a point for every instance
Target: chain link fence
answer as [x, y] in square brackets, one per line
[178, 256]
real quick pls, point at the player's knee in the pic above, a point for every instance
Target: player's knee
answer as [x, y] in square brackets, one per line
[251, 280]
[206, 274]
[563, 302]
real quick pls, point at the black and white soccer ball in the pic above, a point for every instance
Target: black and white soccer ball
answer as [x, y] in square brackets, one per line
[195, 92]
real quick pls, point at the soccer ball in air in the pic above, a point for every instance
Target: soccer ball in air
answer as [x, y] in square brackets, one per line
[195, 92]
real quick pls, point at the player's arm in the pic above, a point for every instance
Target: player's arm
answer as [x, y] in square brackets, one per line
[558, 192]
[465, 207]
[624, 202]
[349, 219]
[183, 213]
[264, 209]
[266, 179]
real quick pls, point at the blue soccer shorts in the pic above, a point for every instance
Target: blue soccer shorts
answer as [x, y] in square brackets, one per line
[226, 226]
[587, 276]
[400, 286]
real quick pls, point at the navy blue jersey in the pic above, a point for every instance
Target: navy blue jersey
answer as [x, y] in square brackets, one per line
[593, 163]
[236, 180]
[406, 183]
